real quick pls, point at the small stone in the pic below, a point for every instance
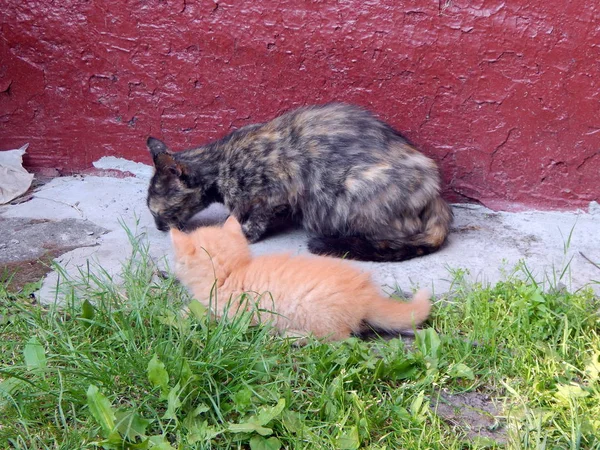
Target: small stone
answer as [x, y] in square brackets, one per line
[89, 233]
[14, 241]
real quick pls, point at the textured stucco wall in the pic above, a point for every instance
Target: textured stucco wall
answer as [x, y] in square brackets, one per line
[504, 95]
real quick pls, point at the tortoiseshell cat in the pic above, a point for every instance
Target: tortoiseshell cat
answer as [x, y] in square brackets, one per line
[356, 185]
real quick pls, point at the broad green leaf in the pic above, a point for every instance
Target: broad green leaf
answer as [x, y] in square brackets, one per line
[402, 413]
[10, 386]
[537, 297]
[35, 357]
[201, 408]
[144, 445]
[116, 442]
[261, 443]
[400, 369]
[349, 439]
[484, 442]
[243, 399]
[461, 370]
[416, 405]
[170, 319]
[173, 403]
[158, 375]
[101, 409]
[429, 343]
[186, 372]
[249, 427]
[200, 431]
[197, 428]
[255, 423]
[160, 443]
[592, 368]
[130, 425]
[268, 413]
[197, 309]
[87, 310]
[567, 392]
[293, 421]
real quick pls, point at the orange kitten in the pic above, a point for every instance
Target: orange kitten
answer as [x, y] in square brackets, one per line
[323, 296]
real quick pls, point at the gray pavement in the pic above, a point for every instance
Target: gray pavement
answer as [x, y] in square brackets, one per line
[92, 210]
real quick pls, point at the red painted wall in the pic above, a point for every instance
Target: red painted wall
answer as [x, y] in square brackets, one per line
[504, 95]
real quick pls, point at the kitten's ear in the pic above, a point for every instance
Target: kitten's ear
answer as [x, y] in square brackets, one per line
[163, 158]
[231, 224]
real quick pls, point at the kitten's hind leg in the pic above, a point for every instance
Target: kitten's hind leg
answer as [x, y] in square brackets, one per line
[300, 338]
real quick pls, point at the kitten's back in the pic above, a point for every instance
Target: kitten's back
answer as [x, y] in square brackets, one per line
[326, 296]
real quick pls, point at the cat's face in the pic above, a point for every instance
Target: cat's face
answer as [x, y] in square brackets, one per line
[171, 198]
[171, 202]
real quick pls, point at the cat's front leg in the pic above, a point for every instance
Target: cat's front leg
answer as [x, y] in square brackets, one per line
[256, 226]
[254, 222]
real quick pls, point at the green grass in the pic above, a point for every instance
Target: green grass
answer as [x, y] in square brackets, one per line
[120, 366]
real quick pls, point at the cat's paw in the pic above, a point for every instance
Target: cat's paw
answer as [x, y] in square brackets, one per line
[253, 231]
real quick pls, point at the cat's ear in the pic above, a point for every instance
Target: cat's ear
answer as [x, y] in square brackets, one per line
[166, 163]
[231, 224]
[156, 146]
[163, 158]
[182, 242]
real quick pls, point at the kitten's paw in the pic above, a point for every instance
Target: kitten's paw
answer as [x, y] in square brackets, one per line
[299, 338]
[185, 312]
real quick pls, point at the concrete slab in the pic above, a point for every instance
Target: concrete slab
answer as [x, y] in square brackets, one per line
[19, 233]
[28, 246]
[485, 243]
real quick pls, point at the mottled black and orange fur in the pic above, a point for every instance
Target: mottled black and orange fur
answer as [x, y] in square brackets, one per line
[354, 183]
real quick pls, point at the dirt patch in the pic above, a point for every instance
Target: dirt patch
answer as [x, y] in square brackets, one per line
[17, 274]
[475, 414]
[28, 246]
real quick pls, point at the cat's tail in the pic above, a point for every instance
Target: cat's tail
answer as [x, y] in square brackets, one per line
[390, 315]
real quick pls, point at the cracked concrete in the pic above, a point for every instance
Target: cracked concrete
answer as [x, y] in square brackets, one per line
[484, 243]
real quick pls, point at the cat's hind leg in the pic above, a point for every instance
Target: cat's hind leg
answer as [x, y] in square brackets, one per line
[351, 247]
[365, 249]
